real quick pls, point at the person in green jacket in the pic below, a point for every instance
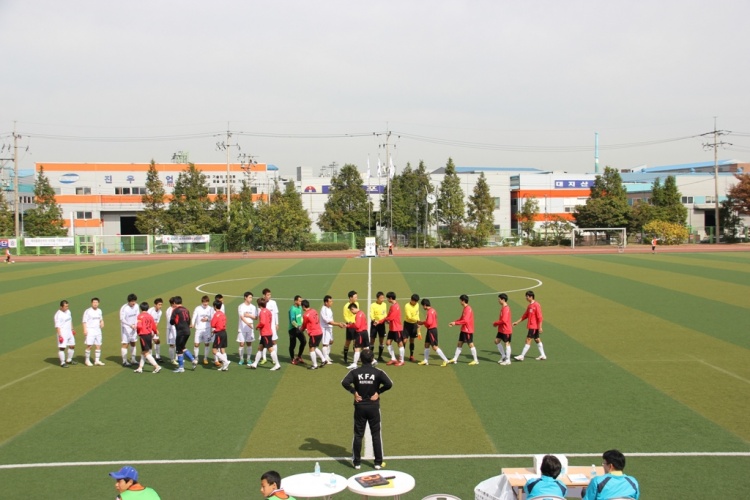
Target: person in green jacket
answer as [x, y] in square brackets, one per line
[270, 486]
[295, 334]
[126, 484]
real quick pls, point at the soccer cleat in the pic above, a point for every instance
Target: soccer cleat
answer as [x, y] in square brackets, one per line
[452, 361]
[506, 362]
[88, 363]
[518, 358]
[313, 367]
[175, 363]
[195, 364]
[329, 361]
[125, 364]
[156, 370]
[217, 363]
[357, 466]
[473, 363]
[445, 363]
[412, 360]
[205, 361]
[158, 359]
[541, 358]
[133, 361]
[72, 362]
[400, 363]
[351, 366]
[374, 363]
[263, 361]
[276, 367]
[294, 361]
[424, 362]
[391, 362]
[379, 466]
[63, 365]
[241, 362]
[225, 366]
[300, 360]
[138, 370]
[380, 359]
[98, 363]
[500, 361]
[179, 370]
[252, 366]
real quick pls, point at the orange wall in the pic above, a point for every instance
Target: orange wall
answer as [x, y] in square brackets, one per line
[143, 167]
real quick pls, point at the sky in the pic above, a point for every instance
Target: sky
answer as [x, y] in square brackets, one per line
[299, 83]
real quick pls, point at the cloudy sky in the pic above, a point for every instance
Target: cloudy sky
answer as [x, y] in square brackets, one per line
[488, 83]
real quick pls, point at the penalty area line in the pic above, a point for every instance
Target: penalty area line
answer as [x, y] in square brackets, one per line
[199, 461]
[24, 378]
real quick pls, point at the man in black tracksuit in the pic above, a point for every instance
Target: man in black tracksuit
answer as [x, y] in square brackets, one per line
[367, 383]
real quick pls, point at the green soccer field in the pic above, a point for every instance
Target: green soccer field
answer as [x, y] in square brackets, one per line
[646, 353]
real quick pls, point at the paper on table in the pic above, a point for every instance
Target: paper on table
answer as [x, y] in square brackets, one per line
[578, 478]
[530, 476]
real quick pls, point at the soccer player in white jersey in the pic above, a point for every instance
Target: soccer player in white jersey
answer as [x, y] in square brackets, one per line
[128, 335]
[274, 308]
[327, 324]
[202, 323]
[93, 322]
[171, 333]
[65, 334]
[245, 329]
[155, 312]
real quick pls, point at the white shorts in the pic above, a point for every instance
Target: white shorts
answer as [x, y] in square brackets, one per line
[128, 336]
[246, 335]
[69, 340]
[94, 338]
[202, 337]
[327, 338]
[171, 335]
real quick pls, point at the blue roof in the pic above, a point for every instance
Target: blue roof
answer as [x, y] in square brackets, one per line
[272, 168]
[684, 166]
[497, 169]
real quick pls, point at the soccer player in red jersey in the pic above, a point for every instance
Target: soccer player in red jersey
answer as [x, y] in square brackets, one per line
[504, 330]
[219, 330]
[534, 316]
[145, 327]
[467, 330]
[311, 324]
[265, 327]
[361, 338]
[431, 337]
[395, 330]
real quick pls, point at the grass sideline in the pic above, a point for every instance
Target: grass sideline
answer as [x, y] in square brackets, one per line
[645, 354]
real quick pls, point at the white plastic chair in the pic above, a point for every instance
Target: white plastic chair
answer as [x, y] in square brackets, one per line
[440, 496]
[538, 463]
[494, 488]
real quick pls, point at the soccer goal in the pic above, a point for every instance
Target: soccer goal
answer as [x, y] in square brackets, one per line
[600, 236]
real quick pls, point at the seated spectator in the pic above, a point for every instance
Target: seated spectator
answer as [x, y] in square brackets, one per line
[270, 486]
[613, 484]
[127, 485]
[548, 484]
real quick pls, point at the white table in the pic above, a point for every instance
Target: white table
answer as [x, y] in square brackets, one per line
[308, 485]
[400, 484]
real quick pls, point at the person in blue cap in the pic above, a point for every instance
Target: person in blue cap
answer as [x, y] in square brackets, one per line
[126, 484]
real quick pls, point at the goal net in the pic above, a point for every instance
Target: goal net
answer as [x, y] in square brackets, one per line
[600, 236]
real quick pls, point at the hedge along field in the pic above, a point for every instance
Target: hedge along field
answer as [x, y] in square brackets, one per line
[646, 353]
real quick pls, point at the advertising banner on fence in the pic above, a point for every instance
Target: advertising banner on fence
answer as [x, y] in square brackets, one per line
[6, 243]
[48, 242]
[195, 238]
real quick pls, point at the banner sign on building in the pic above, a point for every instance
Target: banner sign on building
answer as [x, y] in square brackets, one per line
[571, 184]
[368, 189]
[195, 238]
[6, 243]
[49, 242]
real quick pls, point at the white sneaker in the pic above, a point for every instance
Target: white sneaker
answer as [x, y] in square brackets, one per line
[518, 358]
[352, 366]
[88, 363]
[125, 363]
[276, 367]
[541, 358]
[98, 363]
[157, 369]
[225, 366]
[138, 370]
[506, 362]
[329, 360]
[500, 361]
[179, 370]
[252, 366]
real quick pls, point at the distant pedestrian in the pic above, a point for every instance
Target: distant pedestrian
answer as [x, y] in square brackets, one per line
[654, 241]
[8, 259]
[390, 248]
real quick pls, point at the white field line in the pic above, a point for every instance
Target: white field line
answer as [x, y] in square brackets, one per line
[722, 370]
[346, 459]
[24, 378]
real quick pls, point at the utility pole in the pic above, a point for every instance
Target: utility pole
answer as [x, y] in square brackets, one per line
[225, 146]
[715, 145]
[16, 198]
[388, 163]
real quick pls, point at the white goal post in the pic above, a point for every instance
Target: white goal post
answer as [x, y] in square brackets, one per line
[620, 232]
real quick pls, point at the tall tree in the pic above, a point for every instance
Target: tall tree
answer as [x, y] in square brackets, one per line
[668, 201]
[151, 219]
[46, 218]
[527, 216]
[7, 218]
[740, 194]
[409, 191]
[348, 207]
[451, 204]
[189, 212]
[243, 216]
[481, 207]
[607, 205]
